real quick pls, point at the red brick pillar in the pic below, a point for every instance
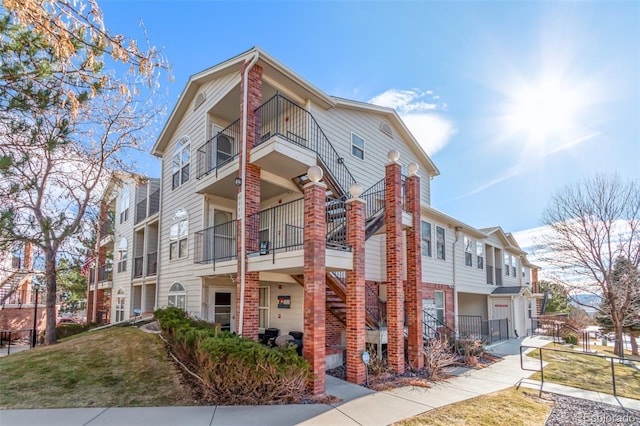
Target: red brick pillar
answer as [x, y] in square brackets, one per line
[395, 299]
[250, 206]
[413, 293]
[356, 314]
[315, 282]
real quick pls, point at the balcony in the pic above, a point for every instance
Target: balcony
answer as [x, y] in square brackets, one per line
[106, 232]
[217, 243]
[105, 276]
[216, 165]
[148, 207]
[498, 276]
[489, 274]
[152, 263]
[137, 266]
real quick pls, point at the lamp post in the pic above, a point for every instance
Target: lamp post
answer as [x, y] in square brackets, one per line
[34, 338]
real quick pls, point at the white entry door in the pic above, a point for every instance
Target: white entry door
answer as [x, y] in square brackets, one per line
[222, 308]
[501, 309]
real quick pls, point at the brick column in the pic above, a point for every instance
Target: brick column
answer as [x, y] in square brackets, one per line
[356, 313]
[315, 283]
[250, 204]
[414, 274]
[395, 309]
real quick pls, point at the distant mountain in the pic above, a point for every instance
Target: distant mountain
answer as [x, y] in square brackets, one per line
[586, 299]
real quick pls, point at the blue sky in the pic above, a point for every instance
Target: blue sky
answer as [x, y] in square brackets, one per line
[511, 99]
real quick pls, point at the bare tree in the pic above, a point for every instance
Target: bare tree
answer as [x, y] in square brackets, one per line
[592, 224]
[66, 128]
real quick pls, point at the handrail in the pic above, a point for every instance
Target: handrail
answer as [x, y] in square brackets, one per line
[216, 243]
[379, 313]
[541, 370]
[427, 322]
[283, 117]
[210, 155]
[279, 228]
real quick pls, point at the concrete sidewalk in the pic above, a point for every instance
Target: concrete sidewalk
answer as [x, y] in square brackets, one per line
[359, 405]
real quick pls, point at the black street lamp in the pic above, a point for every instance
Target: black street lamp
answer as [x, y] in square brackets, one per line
[34, 338]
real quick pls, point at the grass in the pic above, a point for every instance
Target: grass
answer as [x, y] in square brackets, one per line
[508, 407]
[122, 367]
[588, 372]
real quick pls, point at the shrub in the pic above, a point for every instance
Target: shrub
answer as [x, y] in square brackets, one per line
[571, 339]
[437, 356]
[235, 370]
[67, 330]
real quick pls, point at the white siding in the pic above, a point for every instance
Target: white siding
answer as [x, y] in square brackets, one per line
[286, 319]
[434, 270]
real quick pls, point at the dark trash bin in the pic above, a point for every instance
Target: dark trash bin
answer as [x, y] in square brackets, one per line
[296, 334]
[270, 335]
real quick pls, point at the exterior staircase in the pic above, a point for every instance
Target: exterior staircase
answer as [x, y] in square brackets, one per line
[10, 284]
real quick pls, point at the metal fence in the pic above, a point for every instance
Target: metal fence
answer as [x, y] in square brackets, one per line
[277, 229]
[219, 150]
[216, 243]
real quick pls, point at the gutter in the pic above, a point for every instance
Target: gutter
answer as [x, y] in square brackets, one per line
[243, 187]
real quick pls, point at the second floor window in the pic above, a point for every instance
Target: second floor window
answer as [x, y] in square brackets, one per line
[440, 249]
[123, 205]
[181, 162]
[426, 238]
[178, 235]
[357, 146]
[122, 255]
[468, 254]
[480, 254]
[506, 264]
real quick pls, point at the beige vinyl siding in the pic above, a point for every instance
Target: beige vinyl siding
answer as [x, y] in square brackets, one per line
[193, 124]
[286, 319]
[123, 230]
[434, 270]
[468, 275]
[338, 124]
[473, 304]
[375, 266]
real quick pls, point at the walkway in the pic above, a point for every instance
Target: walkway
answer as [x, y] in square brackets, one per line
[359, 406]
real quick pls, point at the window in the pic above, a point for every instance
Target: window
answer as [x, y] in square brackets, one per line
[263, 307]
[122, 255]
[120, 305]
[177, 296]
[468, 254]
[357, 146]
[480, 254]
[426, 238]
[506, 264]
[439, 296]
[440, 249]
[125, 199]
[514, 263]
[181, 160]
[178, 235]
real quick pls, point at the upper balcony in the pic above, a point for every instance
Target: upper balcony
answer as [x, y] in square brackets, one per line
[106, 233]
[148, 206]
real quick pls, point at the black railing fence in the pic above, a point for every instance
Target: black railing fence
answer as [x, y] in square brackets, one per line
[470, 327]
[219, 150]
[336, 214]
[154, 202]
[282, 117]
[277, 229]
[216, 243]
[152, 263]
[137, 266]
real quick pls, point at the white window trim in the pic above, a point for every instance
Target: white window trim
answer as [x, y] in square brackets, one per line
[185, 145]
[422, 240]
[468, 244]
[176, 220]
[357, 147]
[444, 305]
[444, 244]
[266, 308]
[175, 294]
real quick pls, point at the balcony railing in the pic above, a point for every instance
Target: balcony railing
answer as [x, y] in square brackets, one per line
[105, 273]
[154, 202]
[336, 213]
[152, 263]
[141, 210]
[277, 229]
[137, 266]
[106, 228]
[282, 117]
[216, 243]
[489, 274]
[144, 210]
[498, 276]
[219, 150]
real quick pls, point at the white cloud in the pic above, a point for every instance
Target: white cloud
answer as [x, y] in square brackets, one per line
[417, 109]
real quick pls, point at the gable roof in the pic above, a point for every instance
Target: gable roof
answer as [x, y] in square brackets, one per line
[507, 239]
[512, 290]
[452, 222]
[278, 73]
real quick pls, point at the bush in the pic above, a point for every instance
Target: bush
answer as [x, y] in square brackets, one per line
[571, 339]
[437, 356]
[67, 330]
[235, 370]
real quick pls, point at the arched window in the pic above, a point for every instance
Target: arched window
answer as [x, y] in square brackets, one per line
[177, 296]
[181, 161]
[120, 305]
[122, 255]
[178, 235]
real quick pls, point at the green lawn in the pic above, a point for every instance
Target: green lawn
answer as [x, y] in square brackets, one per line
[588, 372]
[121, 367]
[508, 407]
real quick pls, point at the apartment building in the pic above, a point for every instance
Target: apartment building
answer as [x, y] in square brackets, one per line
[286, 210]
[122, 281]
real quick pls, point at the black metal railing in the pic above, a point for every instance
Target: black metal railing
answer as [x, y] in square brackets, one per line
[489, 274]
[216, 243]
[154, 202]
[219, 150]
[495, 330]
[470, 327]
[375, 306]
[137, 266]
[336, 214]
[105, 273]
[277, 229]
[141, 210]
[282, 117]
[498, 276]
[152, 263]
[106, 228]
[375, 197]
[433, 328]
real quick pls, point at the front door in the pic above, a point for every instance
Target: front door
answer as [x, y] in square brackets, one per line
[501, 309]
[223, 312]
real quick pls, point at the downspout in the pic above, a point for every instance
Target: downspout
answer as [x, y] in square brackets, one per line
[241, 199]
[158, 239]
[455, 288]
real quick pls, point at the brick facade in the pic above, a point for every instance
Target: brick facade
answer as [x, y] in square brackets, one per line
[315, 229]
[356, 313]
[413, 294]
[333, 330]
[249, 313]
[395, 297]
[428, 292]
[21, 318]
